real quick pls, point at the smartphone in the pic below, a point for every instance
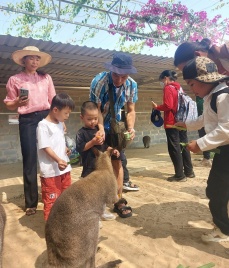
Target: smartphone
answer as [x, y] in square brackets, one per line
[24, 93]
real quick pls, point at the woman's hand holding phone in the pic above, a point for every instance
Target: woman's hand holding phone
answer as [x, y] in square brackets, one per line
[24, 93]
[23, 97]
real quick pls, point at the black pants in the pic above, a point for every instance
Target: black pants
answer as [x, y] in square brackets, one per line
[125, 170]
[181, 160]
[218, 189]
[27, 128]
[202, 133]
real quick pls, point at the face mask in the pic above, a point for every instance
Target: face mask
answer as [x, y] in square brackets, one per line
[162, 84]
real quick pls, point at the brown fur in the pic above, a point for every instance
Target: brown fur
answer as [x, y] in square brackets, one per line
[72, 229]
[146, 141]
[2, 227]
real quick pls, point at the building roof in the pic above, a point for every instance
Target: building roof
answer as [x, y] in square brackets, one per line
[75, 66]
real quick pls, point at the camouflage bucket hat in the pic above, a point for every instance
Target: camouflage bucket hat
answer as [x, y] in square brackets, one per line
[204, 70]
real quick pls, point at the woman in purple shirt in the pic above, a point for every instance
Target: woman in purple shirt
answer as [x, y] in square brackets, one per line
[31, 93]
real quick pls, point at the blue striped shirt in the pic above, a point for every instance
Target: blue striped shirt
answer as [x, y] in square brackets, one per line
[128, 92]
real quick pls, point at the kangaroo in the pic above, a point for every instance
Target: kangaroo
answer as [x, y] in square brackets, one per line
[72, 229]
[2, 227]
[146, 141]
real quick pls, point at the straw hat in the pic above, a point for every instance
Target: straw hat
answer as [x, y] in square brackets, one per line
[18, 55]
[121, 64]
[204, 70]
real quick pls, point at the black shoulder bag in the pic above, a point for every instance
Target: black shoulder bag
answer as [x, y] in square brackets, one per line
[117, 128]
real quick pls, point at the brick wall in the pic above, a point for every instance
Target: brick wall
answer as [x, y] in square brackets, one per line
[9, 135]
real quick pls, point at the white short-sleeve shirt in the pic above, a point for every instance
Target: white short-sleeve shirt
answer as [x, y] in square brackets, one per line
[51, 135]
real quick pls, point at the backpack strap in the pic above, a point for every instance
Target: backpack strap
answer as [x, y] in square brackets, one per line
[180, 90]
[214, 97]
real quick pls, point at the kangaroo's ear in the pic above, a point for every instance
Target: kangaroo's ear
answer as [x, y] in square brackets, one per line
[96, 151]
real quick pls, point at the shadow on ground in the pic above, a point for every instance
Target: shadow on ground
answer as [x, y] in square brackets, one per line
[154, 220]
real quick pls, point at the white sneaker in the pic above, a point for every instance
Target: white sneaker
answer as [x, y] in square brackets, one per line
[215, 236]
[128, 186]
[205, 163]
[108, 216]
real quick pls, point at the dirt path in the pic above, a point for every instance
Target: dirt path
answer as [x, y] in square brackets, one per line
[164, 231]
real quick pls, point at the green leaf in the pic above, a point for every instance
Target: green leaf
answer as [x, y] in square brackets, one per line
[216, 151]
[177, 127]
[183, 144]
[73, 160]
[209, 265]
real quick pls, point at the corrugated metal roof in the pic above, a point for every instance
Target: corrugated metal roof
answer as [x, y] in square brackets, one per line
[75, 66]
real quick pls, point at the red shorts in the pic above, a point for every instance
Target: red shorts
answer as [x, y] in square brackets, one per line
[51, 188]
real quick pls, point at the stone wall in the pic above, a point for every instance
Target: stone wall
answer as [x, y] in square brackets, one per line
[10, 151]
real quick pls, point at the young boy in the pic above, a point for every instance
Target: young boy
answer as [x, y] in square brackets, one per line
[202, 76]
[52, 152]
[86, 138]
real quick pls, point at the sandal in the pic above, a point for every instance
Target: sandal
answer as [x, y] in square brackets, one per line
[30, 211]
[120, 207]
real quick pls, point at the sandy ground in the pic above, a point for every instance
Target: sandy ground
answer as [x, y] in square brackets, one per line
[164, 231]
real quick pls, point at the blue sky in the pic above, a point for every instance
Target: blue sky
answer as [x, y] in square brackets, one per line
[107, 41]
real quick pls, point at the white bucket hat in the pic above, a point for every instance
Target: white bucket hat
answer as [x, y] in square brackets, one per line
[18, 55]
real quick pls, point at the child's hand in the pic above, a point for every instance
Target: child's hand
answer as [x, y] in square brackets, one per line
[62, 164]
[116, 153]
[193, 147]
[100, 134]
[97, 140]
[68, 151]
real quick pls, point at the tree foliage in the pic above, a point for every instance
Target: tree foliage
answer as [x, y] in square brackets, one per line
[43, 27]
[170, 21]
[221, 4]
[156, 22]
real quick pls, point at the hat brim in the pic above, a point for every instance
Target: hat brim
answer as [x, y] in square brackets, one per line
[212, 78]
[158, 123]
[117, 70]
[18, 55]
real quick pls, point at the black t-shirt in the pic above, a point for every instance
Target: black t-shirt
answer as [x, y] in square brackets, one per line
[83, 136]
